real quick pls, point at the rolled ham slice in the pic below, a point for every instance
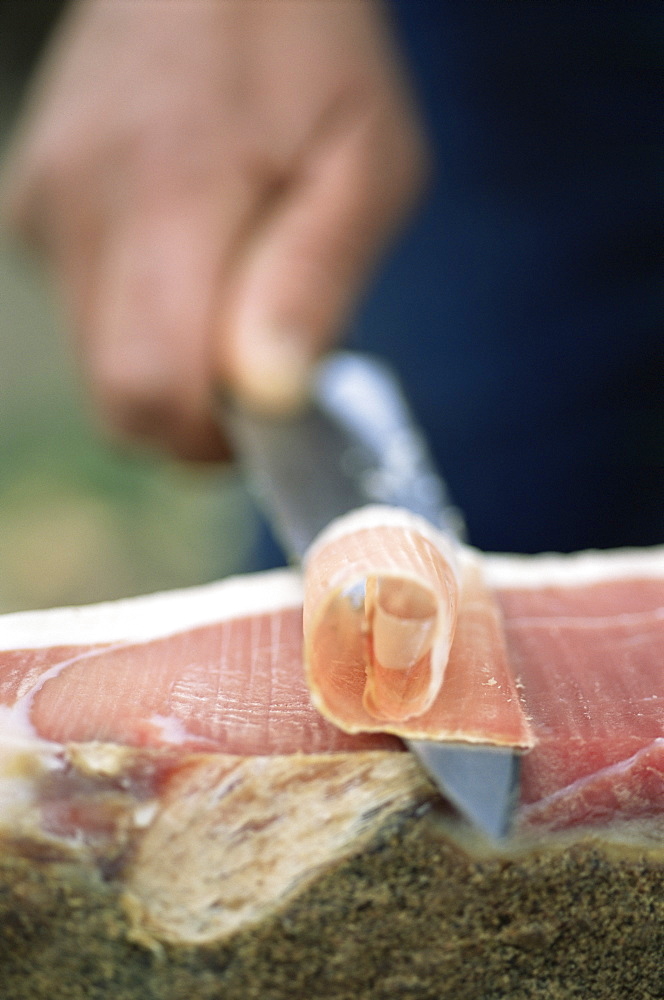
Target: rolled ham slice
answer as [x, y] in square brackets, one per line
[402, 635]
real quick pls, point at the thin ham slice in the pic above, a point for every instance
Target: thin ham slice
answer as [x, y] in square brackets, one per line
[403, 636]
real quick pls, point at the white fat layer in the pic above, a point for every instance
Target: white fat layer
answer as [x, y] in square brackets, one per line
[140, 619]
[574, 570]
[172, 730]
[17, 798]
[16, 730]
[24, 758]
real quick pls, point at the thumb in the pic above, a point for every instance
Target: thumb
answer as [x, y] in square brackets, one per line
[307, 263]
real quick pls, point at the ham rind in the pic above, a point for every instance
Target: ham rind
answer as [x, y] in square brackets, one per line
[403, 636]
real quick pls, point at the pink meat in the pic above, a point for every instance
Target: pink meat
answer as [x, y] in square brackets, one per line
[590, 661]
[235, 686]
[586, 657]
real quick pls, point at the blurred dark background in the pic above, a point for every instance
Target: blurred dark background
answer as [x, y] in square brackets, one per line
[532, 281]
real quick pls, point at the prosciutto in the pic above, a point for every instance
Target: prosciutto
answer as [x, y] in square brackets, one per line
[403, 636]
[219, 669]
[216, 668]
[585, 635]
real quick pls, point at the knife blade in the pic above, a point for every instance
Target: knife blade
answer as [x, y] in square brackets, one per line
[356, 443]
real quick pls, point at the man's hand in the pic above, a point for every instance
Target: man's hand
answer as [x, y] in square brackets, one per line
[211, 182]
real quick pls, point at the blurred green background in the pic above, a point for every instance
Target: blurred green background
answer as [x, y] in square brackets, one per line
[80, 520]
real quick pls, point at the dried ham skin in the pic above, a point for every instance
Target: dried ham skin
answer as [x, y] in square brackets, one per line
[403, 636]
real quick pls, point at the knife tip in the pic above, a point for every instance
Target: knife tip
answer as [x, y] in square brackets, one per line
[480, 782]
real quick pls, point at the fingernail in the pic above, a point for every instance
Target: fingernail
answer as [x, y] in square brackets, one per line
[275, 371]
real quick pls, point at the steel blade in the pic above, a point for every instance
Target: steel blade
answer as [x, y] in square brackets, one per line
[355, 444]
[358, 443]
[481, 781]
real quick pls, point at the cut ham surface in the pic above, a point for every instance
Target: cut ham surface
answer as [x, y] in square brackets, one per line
[218, 669]
[585, 635]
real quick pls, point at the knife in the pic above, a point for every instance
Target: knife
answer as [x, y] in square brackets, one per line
[355, 443]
